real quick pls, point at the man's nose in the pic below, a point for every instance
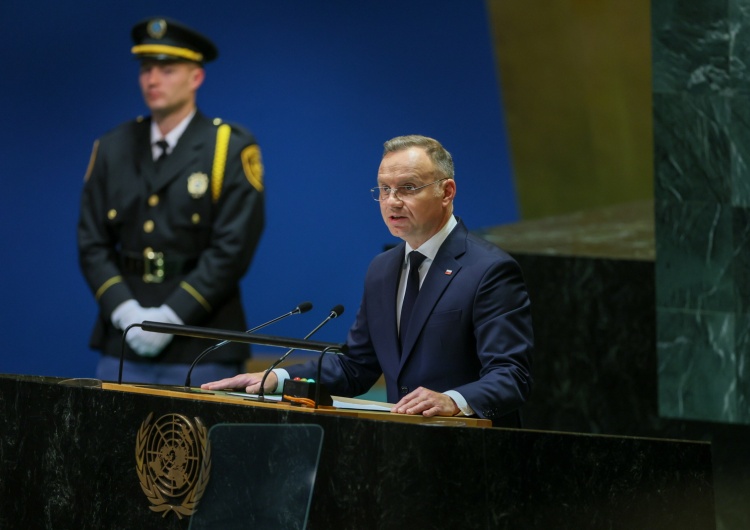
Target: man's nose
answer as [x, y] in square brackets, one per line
[151, 76]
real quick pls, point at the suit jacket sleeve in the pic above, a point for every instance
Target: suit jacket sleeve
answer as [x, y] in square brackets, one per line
[504, 341]
[97, 242]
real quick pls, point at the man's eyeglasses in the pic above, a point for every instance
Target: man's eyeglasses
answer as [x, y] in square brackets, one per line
[381, 193]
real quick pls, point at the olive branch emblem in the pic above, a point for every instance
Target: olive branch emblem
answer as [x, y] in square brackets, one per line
[173, 463]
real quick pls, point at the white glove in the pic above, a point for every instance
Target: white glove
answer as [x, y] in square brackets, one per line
[145, 343]
[127, 313]
[165, 315]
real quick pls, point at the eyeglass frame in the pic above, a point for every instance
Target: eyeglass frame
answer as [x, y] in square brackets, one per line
[394, 193]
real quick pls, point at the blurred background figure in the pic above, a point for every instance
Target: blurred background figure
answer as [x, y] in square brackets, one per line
[171, 214]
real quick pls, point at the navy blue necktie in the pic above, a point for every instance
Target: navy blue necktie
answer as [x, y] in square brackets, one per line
[411, 292]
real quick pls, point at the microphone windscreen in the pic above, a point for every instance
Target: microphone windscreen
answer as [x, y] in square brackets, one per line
[304, 307]
[337, 311]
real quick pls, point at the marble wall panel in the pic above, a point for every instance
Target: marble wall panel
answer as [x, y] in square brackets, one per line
[690, 40]
[741, 258]
[697, 365]
[702, 192]
[694, 249]
[691, 148]
[594, 361]
[739, 131]
[742, 353]
[739, 52]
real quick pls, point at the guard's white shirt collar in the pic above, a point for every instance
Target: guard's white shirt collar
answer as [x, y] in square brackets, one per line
[171, 137]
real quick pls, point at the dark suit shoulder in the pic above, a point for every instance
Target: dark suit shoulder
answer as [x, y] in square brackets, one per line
[482, 246]
[386, 260]
[395, 252]
[474, 251]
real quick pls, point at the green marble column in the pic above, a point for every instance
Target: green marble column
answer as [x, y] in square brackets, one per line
[701, 105]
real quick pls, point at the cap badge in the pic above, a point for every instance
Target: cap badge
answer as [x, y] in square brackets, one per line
[157, 28]
[197, 184]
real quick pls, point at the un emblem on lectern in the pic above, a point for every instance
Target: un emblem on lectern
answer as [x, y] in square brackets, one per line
[173, 462]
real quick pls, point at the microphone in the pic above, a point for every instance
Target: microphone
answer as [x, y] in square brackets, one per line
[304, 307]
[335, 312]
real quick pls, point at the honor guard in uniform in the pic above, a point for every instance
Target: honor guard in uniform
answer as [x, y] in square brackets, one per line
[171, 215]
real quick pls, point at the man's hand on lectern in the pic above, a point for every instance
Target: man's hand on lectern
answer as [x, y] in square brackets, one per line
[250, 383]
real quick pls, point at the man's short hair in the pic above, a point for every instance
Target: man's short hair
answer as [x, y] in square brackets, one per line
[440, 157]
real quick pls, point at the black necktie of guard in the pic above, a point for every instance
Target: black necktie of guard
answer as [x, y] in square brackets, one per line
[411, 292]
[164, 145]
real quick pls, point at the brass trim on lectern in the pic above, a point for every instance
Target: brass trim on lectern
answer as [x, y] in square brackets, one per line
[227, 397]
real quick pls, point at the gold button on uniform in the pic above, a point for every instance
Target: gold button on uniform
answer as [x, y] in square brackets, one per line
[111, 214]
[196, 218]
[148, 226]
[153, 200]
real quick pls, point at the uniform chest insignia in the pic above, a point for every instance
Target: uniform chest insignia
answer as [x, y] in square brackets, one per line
[197, 185]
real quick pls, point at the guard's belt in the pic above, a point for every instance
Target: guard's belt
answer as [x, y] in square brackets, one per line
[157, 268]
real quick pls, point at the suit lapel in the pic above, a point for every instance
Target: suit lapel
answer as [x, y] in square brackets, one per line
[434, 285]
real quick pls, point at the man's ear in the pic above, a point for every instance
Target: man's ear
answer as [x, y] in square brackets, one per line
[198, 75]
[449, 191]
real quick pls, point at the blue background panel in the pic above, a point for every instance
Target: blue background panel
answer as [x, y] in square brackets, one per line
[321, 84]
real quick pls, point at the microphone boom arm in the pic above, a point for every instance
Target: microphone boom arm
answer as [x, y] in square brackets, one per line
[239, 336]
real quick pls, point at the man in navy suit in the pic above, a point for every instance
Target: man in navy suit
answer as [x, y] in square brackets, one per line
[466, 347]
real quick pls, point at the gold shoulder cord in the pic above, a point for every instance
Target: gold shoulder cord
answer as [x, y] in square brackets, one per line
[220, 160]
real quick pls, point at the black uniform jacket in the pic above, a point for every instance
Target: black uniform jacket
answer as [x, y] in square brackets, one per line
[180, 232]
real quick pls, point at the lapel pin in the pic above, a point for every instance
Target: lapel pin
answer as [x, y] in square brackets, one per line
[448, 272]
